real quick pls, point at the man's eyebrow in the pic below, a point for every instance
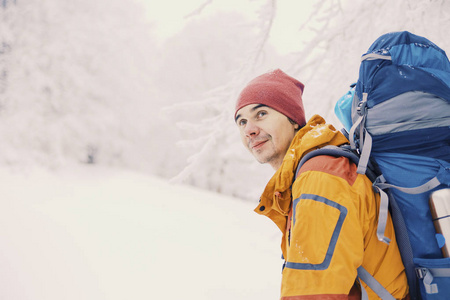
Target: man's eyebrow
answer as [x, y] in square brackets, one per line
[258, 106]
[253, 109]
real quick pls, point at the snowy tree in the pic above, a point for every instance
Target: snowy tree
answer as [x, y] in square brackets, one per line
[83, 81]
[79, 80]
[196, 68]
[333, 54]
[219, 59]
[327, 64]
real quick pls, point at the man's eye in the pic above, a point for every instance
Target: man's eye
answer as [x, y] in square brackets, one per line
[261, 114]
[242, 122]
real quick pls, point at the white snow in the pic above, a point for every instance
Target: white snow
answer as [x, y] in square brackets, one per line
[89, 81]
[97, 233]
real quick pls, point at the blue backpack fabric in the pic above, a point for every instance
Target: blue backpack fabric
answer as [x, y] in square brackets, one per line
[398, 119]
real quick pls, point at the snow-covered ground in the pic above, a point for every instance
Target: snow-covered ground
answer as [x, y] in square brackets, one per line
[95, 233]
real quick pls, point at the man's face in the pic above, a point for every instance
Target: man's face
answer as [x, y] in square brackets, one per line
[265, 132]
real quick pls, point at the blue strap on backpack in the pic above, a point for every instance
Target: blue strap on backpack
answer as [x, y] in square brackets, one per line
[398, 117]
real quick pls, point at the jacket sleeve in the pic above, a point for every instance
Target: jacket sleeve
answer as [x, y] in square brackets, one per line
[326, 238]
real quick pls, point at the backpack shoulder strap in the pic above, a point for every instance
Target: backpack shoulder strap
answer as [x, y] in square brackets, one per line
[336, 151]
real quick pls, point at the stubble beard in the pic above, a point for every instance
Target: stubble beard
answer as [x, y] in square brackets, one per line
[267, 154]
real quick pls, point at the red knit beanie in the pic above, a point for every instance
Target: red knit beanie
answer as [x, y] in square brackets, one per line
[277, 90]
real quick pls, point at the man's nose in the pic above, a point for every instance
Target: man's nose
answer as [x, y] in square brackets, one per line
[251, 129]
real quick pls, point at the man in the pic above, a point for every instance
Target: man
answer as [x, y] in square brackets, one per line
[328, 215]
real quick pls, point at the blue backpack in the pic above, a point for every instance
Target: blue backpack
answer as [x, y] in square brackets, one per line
[397, 117]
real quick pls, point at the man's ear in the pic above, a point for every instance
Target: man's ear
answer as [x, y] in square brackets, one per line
[296, 126]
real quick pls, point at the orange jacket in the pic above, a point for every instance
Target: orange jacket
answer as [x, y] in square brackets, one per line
[329, 221]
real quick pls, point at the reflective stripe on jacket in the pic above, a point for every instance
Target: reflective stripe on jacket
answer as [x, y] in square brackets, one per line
[332, 230]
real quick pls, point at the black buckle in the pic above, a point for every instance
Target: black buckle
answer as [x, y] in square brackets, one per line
[421, 272]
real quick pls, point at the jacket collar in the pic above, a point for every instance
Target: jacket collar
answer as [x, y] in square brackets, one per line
[276, 201]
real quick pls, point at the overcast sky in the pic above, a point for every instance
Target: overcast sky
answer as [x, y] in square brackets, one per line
[170, 16]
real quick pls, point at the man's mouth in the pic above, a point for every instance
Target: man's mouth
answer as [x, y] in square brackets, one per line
[258, 144]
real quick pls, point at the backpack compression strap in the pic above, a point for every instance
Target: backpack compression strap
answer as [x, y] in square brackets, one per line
[380, 184]
[431, 184]
[365, 139]
[428, 275]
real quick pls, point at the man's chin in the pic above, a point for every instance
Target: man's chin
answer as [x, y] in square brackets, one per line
[261, 159]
